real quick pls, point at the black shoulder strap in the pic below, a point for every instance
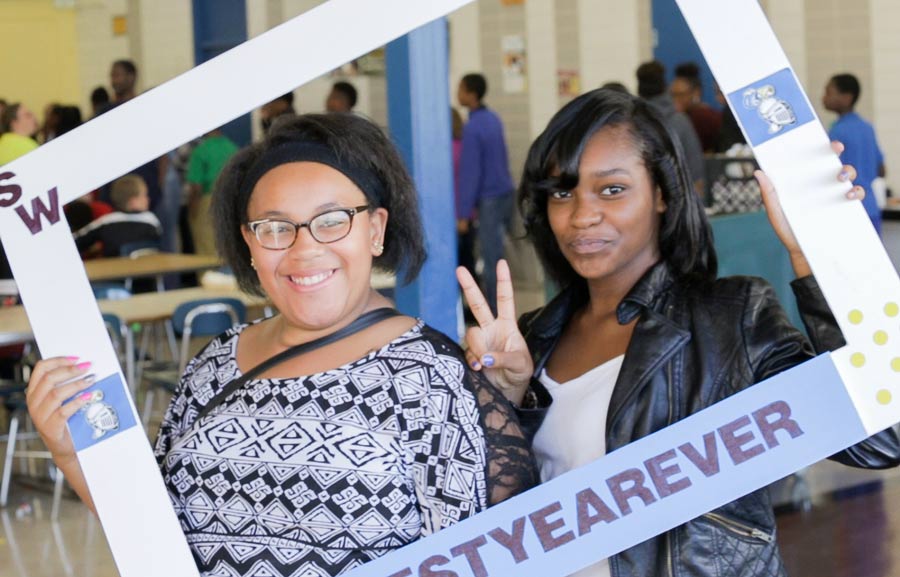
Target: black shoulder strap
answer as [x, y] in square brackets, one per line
[364, 321]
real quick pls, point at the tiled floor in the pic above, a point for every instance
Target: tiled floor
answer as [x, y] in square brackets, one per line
[852, 533]
[32, 546]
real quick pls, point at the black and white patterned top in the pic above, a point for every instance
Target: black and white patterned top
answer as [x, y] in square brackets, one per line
[319, 474]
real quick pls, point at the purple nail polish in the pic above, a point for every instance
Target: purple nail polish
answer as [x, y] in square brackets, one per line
[488, 360]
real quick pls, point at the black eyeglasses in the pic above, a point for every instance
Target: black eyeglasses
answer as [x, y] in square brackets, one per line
[328, 227]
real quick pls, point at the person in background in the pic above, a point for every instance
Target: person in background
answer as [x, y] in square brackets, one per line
[687, 95]
[59, 120]
[78, 215]
[10, 355]
[84, 210]
[207, 161]
[69, 119]
[176, 198]
[123, 78]
[47, 131]
[283, 106]
[18, 126]
[404, 439]
[484, 179]
[342, 97]
[99, 101]
[130, 222]
[123, 75]
[651, 77]
[729, 131]
[5, 269]
[465, 228]
[644, 332]
[860, 144]
[616, 86]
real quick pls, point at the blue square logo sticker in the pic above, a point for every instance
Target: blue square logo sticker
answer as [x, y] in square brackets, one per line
[106, 414]
[771, 107]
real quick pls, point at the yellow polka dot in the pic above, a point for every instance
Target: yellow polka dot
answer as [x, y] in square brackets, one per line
[855, 316]
[884, 396]
[891, 309]
[857, 359]
[895, 364]
[880, 337]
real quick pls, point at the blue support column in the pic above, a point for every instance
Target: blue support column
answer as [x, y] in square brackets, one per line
[675, 44]
[419, 119]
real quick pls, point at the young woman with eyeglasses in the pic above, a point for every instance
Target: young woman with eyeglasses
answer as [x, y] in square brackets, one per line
[345, 452]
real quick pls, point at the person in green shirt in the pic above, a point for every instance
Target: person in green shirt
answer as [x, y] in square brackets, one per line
[204, 167]
[17, 125]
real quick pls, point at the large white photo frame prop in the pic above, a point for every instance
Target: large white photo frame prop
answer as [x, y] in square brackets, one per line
[143, 533]
[650, 486]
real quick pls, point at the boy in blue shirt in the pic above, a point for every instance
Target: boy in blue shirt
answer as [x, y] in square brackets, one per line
[860, 145]
[484, 179]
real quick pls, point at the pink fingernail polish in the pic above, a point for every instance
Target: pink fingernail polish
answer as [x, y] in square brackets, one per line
[71, 358]
[86, 396]
[83, 366]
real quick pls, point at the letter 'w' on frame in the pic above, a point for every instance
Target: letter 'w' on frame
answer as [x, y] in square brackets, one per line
[774, 428]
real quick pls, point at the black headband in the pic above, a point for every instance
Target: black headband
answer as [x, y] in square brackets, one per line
[367, 181]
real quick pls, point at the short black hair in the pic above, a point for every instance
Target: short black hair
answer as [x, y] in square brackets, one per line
[127, 65]
[651, 77]
[690, 72]
[99, 96]
[847, 84]
[9, 116]
[347, 90]
[685, 235]
[358, 142]
[616, 86]
[69, 118]
[477, 84]
[287, 97]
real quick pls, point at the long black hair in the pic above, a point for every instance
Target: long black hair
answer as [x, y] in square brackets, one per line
[685, 236]
[361, 144]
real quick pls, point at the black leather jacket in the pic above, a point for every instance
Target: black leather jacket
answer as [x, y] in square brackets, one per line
[691, 348]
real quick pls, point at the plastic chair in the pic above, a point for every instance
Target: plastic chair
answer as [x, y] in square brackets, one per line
[136, 250]
[117, 330]
[197, 318]
[13, 396]
[123, 343]
[139, 248]
[119, 333]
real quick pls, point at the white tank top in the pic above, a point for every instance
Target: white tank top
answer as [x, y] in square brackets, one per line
[573, 432]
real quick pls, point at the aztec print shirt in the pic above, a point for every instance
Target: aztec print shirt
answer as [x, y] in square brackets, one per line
[319, 474]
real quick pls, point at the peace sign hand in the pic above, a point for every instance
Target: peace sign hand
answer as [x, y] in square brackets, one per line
[496, 343]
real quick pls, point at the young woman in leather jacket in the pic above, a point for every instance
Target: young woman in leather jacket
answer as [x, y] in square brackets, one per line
[643, 334]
